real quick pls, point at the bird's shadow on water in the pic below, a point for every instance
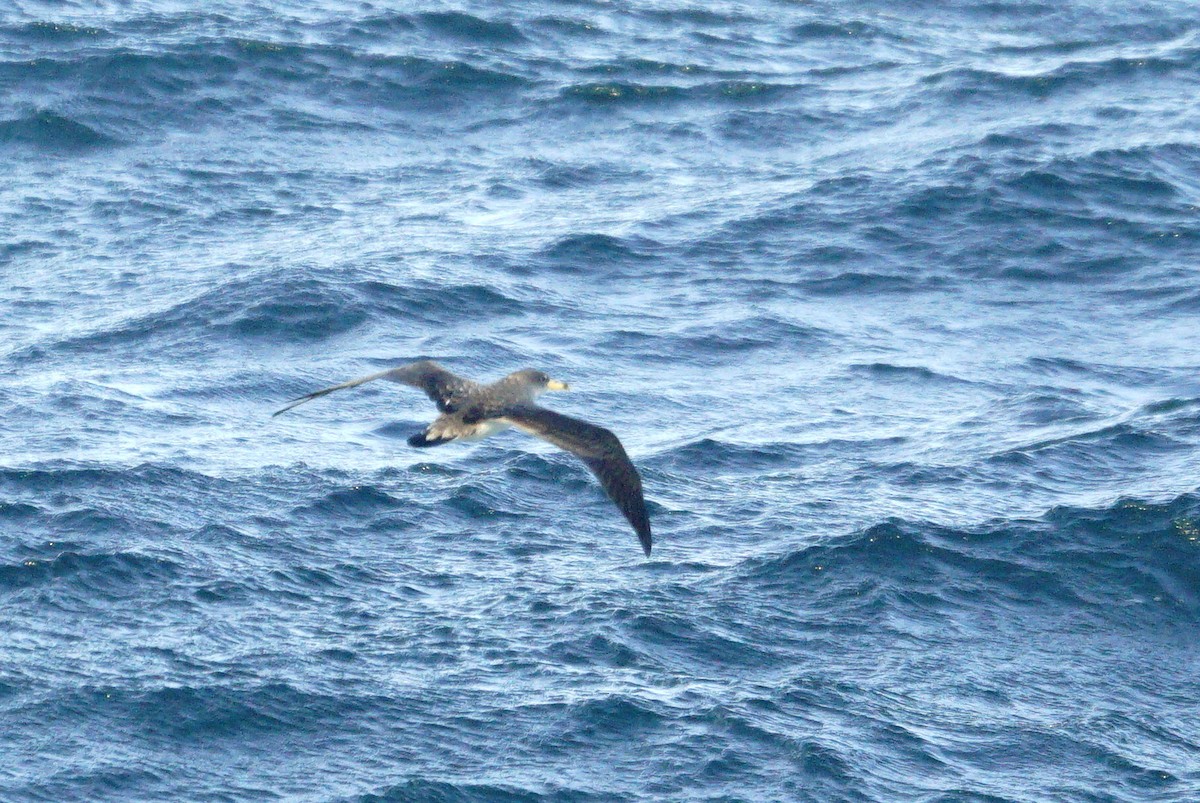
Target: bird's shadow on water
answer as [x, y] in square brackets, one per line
[397, 430]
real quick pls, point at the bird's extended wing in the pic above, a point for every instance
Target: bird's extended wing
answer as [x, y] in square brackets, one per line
[600, 451]
[443, 387]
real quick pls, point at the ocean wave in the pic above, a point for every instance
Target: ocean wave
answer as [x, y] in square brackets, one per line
[46, 32]
[294, 309]
[282, 308]
[860, 282]
[716, 344]
[460, 25]
[359, 500]
[696, 638]
[198, 712]
[122, 93]
[1129, 561]
[582, 253]
[632, 94]
[52, 132]
[973, 83]
[410, 28]
[560, 176]
[824, 31]
[441, 302]
[720, 454]
[437, 791]
[908, 373]
[103, 779]
[71, 476]
[103, 573]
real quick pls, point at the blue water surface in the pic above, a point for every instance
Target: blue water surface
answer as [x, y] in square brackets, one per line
[895, 306]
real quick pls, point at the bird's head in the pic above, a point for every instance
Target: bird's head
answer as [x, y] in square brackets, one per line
[538, 381]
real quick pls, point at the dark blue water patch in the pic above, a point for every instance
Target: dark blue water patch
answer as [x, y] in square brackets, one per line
[585, 253]
[619, 93]
[1103, 182]
[701, 17]
[438, 303]
[569, 176]
[698, 640]
[1081, 219]
[360, 500]
[185, 714]
[613, 717]
[436, 791]
[49, 481]
[627, 94]
[64, 523]
[546, 471]
[975, 85]
[593, 649]
[106, 574]
[105, 780]
[907, 473]
[19, 512]
[124, 87]
[1129, 565]
[758, 744]
[420, 84]
[884, 371]
[766, 128]
[1121, 439]
[48, 131]
[1187, 304]
[276, 307]
[714, 453]
[88, 521]
[716, 344]
[1046, 407]
[1058, 747]
[641, 68]
[53, 33]
[1167, 406]
[1095, 456]
[137, 92]
[572, 29]
[1124, 219]
[26, 248]
[862, 283]
[979, 86]
[217, 592]
[304, 580]
[106, 503]
[398, 430]
[374, 29]
[1126, 375]
[817, 31]
[477, 502]
[475, 30]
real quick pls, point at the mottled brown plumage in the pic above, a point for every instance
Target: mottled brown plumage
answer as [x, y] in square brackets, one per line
[470, 411]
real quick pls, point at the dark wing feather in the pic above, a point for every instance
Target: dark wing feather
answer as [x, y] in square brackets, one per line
[444, 388]
[600, 451]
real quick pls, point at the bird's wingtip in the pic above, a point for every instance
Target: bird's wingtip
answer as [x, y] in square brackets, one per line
[644, 537]
[289, 406]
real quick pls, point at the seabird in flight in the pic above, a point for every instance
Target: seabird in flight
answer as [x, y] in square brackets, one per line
[470, 411]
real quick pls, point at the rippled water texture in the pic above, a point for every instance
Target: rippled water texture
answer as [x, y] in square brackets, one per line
[896, 311]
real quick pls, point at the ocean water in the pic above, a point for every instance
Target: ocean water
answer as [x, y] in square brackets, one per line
[895, 306]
